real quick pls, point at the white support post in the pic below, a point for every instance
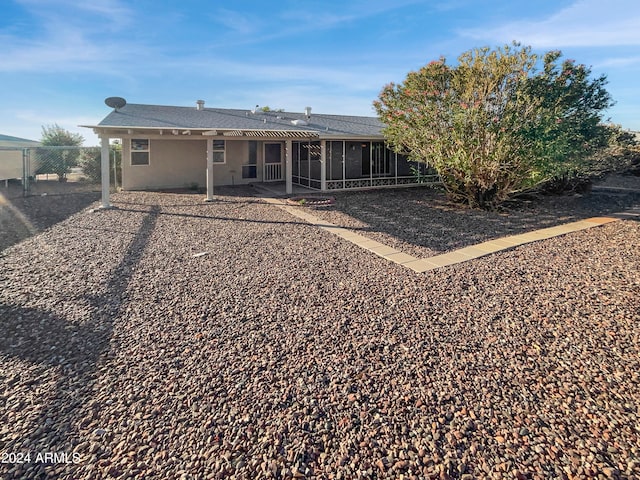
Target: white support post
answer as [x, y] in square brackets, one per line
[323, 165]
[104, 172]
[371, 164]
[209, 170]
[289, 166]
[344, 165]
[395, 155]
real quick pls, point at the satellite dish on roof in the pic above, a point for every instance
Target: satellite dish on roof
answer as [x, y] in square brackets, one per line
[115, 102]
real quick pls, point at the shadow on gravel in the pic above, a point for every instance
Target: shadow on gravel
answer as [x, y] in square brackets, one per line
[200, 203]
[22, 217]
[229, 219]
[425, 218]
[67, 349]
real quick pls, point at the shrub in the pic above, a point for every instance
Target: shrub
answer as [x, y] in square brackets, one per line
[492, 126]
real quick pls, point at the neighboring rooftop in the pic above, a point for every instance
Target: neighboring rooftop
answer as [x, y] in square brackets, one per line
[135, 116]
[17, 142]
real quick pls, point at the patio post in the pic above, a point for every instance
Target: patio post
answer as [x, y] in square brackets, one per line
[323, 165]
[104, 171]
[209, 170]
[289, 166]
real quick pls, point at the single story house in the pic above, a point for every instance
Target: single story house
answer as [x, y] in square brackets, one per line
[169, 147]
[12, 164]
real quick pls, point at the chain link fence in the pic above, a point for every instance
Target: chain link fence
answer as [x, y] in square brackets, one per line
[56, 170]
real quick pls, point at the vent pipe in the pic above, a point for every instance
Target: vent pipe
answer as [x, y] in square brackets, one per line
[307, 112]
[200, 105]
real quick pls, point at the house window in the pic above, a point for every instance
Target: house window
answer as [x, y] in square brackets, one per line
[250, 169]
[139, 151]
[218, 151]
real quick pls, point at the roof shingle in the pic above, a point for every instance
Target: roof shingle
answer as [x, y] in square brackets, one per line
[159, 116]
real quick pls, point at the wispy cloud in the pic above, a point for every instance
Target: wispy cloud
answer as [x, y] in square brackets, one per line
[304, 18]
[44, 117]
[586, 23]
[363, 76]
[111, 11]
[619, 62]
[238, 23]
[67, 36]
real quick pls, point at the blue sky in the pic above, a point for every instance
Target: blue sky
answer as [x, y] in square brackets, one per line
[59, 59]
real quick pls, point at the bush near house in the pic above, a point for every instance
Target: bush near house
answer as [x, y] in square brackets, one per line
[91, 163]
[493, 125]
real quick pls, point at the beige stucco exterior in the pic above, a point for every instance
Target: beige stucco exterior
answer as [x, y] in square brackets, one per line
[175, 163]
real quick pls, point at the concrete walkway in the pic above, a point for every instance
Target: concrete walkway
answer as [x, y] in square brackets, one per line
[456, 256]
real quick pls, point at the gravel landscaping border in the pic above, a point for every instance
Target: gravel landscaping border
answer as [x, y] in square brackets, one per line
[176, 339]
[421, 221]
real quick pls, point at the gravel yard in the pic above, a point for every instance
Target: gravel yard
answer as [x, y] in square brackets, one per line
[422, 223]
[52, 202]
[176, 339]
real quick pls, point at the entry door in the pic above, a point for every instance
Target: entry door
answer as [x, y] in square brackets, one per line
[272, 162]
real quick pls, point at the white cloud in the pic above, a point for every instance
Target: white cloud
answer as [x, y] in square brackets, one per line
[68, 36]
[28, 123]
[304, 18]
[111, 11]
[619, 62]
[239, 23]
[586, 23]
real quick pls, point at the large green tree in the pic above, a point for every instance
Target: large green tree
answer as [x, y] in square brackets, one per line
[493, 125]
[53, 158]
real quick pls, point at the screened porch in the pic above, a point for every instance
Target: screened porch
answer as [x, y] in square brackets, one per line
[353, 164]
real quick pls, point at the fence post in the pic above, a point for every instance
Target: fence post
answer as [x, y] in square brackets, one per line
[26, 170]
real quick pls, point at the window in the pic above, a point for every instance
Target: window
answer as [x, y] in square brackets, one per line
[139, 151]
[218, 151]
[249, 169]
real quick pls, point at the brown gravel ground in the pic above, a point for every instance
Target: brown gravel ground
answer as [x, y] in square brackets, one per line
[176, 339]
[51, 202]
[422, 223]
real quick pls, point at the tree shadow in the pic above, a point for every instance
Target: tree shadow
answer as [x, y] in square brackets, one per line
[23, 217]
[427, 219]
[66, 349]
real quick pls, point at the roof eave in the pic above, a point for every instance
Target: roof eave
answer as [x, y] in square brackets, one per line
[125, 130]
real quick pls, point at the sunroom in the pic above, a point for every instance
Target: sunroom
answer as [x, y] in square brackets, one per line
[351, 164]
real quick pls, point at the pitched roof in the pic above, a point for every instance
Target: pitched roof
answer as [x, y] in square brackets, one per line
[229, 120]
[16, 142]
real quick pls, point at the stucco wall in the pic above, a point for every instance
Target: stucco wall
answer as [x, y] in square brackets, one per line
[182, 163]
[11, 164]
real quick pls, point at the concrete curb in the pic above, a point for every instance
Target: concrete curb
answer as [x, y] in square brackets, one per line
[457, 256]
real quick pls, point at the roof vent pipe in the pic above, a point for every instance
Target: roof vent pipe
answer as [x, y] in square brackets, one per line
[200, 105]
[307, 112]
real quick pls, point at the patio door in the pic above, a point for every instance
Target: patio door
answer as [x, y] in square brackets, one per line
[272, 162]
